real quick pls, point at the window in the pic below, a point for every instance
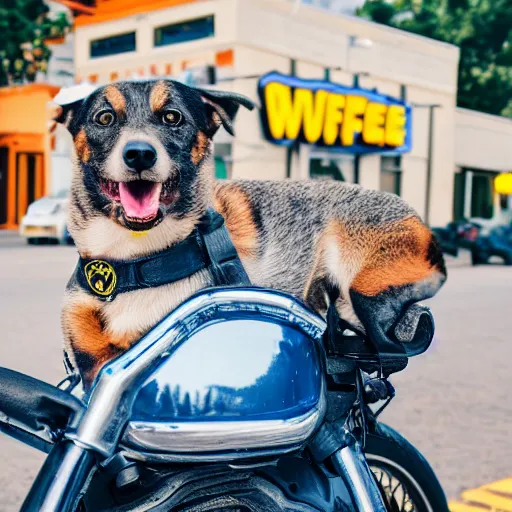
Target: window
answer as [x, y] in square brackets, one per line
[330, 166]
[474, 194]
[221, 170]
[184, 31]
[482, 195]
[504, 202]
[390, 174]
[325, 169]
[459, 192]
[222, 161]
[113, 45]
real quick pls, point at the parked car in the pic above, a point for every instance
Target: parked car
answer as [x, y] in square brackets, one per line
[497, 243]
[45, 220]
[483, 242]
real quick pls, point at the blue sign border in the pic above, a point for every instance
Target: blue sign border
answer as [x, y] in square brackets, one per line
[359, 145]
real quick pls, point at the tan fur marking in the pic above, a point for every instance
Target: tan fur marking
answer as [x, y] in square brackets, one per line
[217, 114]
[391, 256]
[199, 148]
[116, 99]
[85, 326]
[233, 204]
[82, 146]
[159, 96]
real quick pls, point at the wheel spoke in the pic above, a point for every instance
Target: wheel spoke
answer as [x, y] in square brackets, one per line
[395, 492]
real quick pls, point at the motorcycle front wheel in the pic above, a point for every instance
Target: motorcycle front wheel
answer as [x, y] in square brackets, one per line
[406, 480]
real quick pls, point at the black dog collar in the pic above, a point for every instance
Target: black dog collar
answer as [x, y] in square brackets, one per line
[209, 246]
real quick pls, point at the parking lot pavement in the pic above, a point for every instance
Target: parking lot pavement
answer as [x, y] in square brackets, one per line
[32, 281]
[453, 403]
[10, 239]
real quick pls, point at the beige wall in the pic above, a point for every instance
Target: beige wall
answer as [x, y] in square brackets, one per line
[443, 166]
[321, 37]
[369, 171]
[253, 156]
[146, 54]
[483, 141]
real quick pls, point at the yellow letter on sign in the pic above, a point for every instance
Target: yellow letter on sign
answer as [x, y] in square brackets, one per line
[301, 106]
[314, 119]
[374, 121]
[395, 126]
[352, 121]
[333, 117]
[278, 101]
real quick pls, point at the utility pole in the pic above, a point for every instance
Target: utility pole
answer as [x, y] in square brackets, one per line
[430, 153]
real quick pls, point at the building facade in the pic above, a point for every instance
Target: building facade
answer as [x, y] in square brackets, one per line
[24, 149]
[232, 44]
[483, 150]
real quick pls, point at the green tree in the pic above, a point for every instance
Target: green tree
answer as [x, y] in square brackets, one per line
[481, 28]
[24, 25]
[167, 406]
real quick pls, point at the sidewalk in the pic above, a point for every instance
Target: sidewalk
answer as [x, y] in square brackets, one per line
[10, 238]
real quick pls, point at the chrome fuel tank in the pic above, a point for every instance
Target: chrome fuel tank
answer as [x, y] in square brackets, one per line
[247, 380]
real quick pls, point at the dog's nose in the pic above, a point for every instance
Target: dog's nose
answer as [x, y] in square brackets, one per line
[139, 156]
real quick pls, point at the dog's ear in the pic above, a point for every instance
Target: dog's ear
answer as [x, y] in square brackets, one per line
[68, 101]
[221, 108]
[63, 114]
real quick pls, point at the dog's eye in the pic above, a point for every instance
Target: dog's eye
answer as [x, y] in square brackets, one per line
[172, 117]
[104, 117]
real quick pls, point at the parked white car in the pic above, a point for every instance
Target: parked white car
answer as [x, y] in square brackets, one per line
[45, 220]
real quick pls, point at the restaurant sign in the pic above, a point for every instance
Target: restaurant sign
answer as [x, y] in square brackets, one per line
[330, 115]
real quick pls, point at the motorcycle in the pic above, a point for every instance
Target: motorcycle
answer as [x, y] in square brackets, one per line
[240, 400]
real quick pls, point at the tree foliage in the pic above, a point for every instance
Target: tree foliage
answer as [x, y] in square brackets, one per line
[482, 29]
[24, 25]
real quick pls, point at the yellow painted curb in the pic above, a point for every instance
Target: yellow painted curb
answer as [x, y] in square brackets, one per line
[493, 497]
[462, 507]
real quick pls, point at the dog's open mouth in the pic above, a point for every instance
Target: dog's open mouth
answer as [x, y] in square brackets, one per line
[140, 199]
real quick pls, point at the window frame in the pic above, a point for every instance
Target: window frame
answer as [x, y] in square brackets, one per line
[129, 33]
[396, 171]
[183, 22]
[345, 174]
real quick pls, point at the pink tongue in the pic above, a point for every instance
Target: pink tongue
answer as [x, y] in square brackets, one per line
[140, 199]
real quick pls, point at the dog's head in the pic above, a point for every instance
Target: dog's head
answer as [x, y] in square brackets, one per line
[142, 147]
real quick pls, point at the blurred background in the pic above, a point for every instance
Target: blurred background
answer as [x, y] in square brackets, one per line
[448, 62]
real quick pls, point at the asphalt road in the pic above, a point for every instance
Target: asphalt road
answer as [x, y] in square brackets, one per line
[453, 403]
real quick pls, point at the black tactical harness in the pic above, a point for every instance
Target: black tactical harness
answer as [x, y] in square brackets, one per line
[209, 247]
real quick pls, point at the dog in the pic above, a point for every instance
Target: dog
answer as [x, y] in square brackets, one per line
[143, 179]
